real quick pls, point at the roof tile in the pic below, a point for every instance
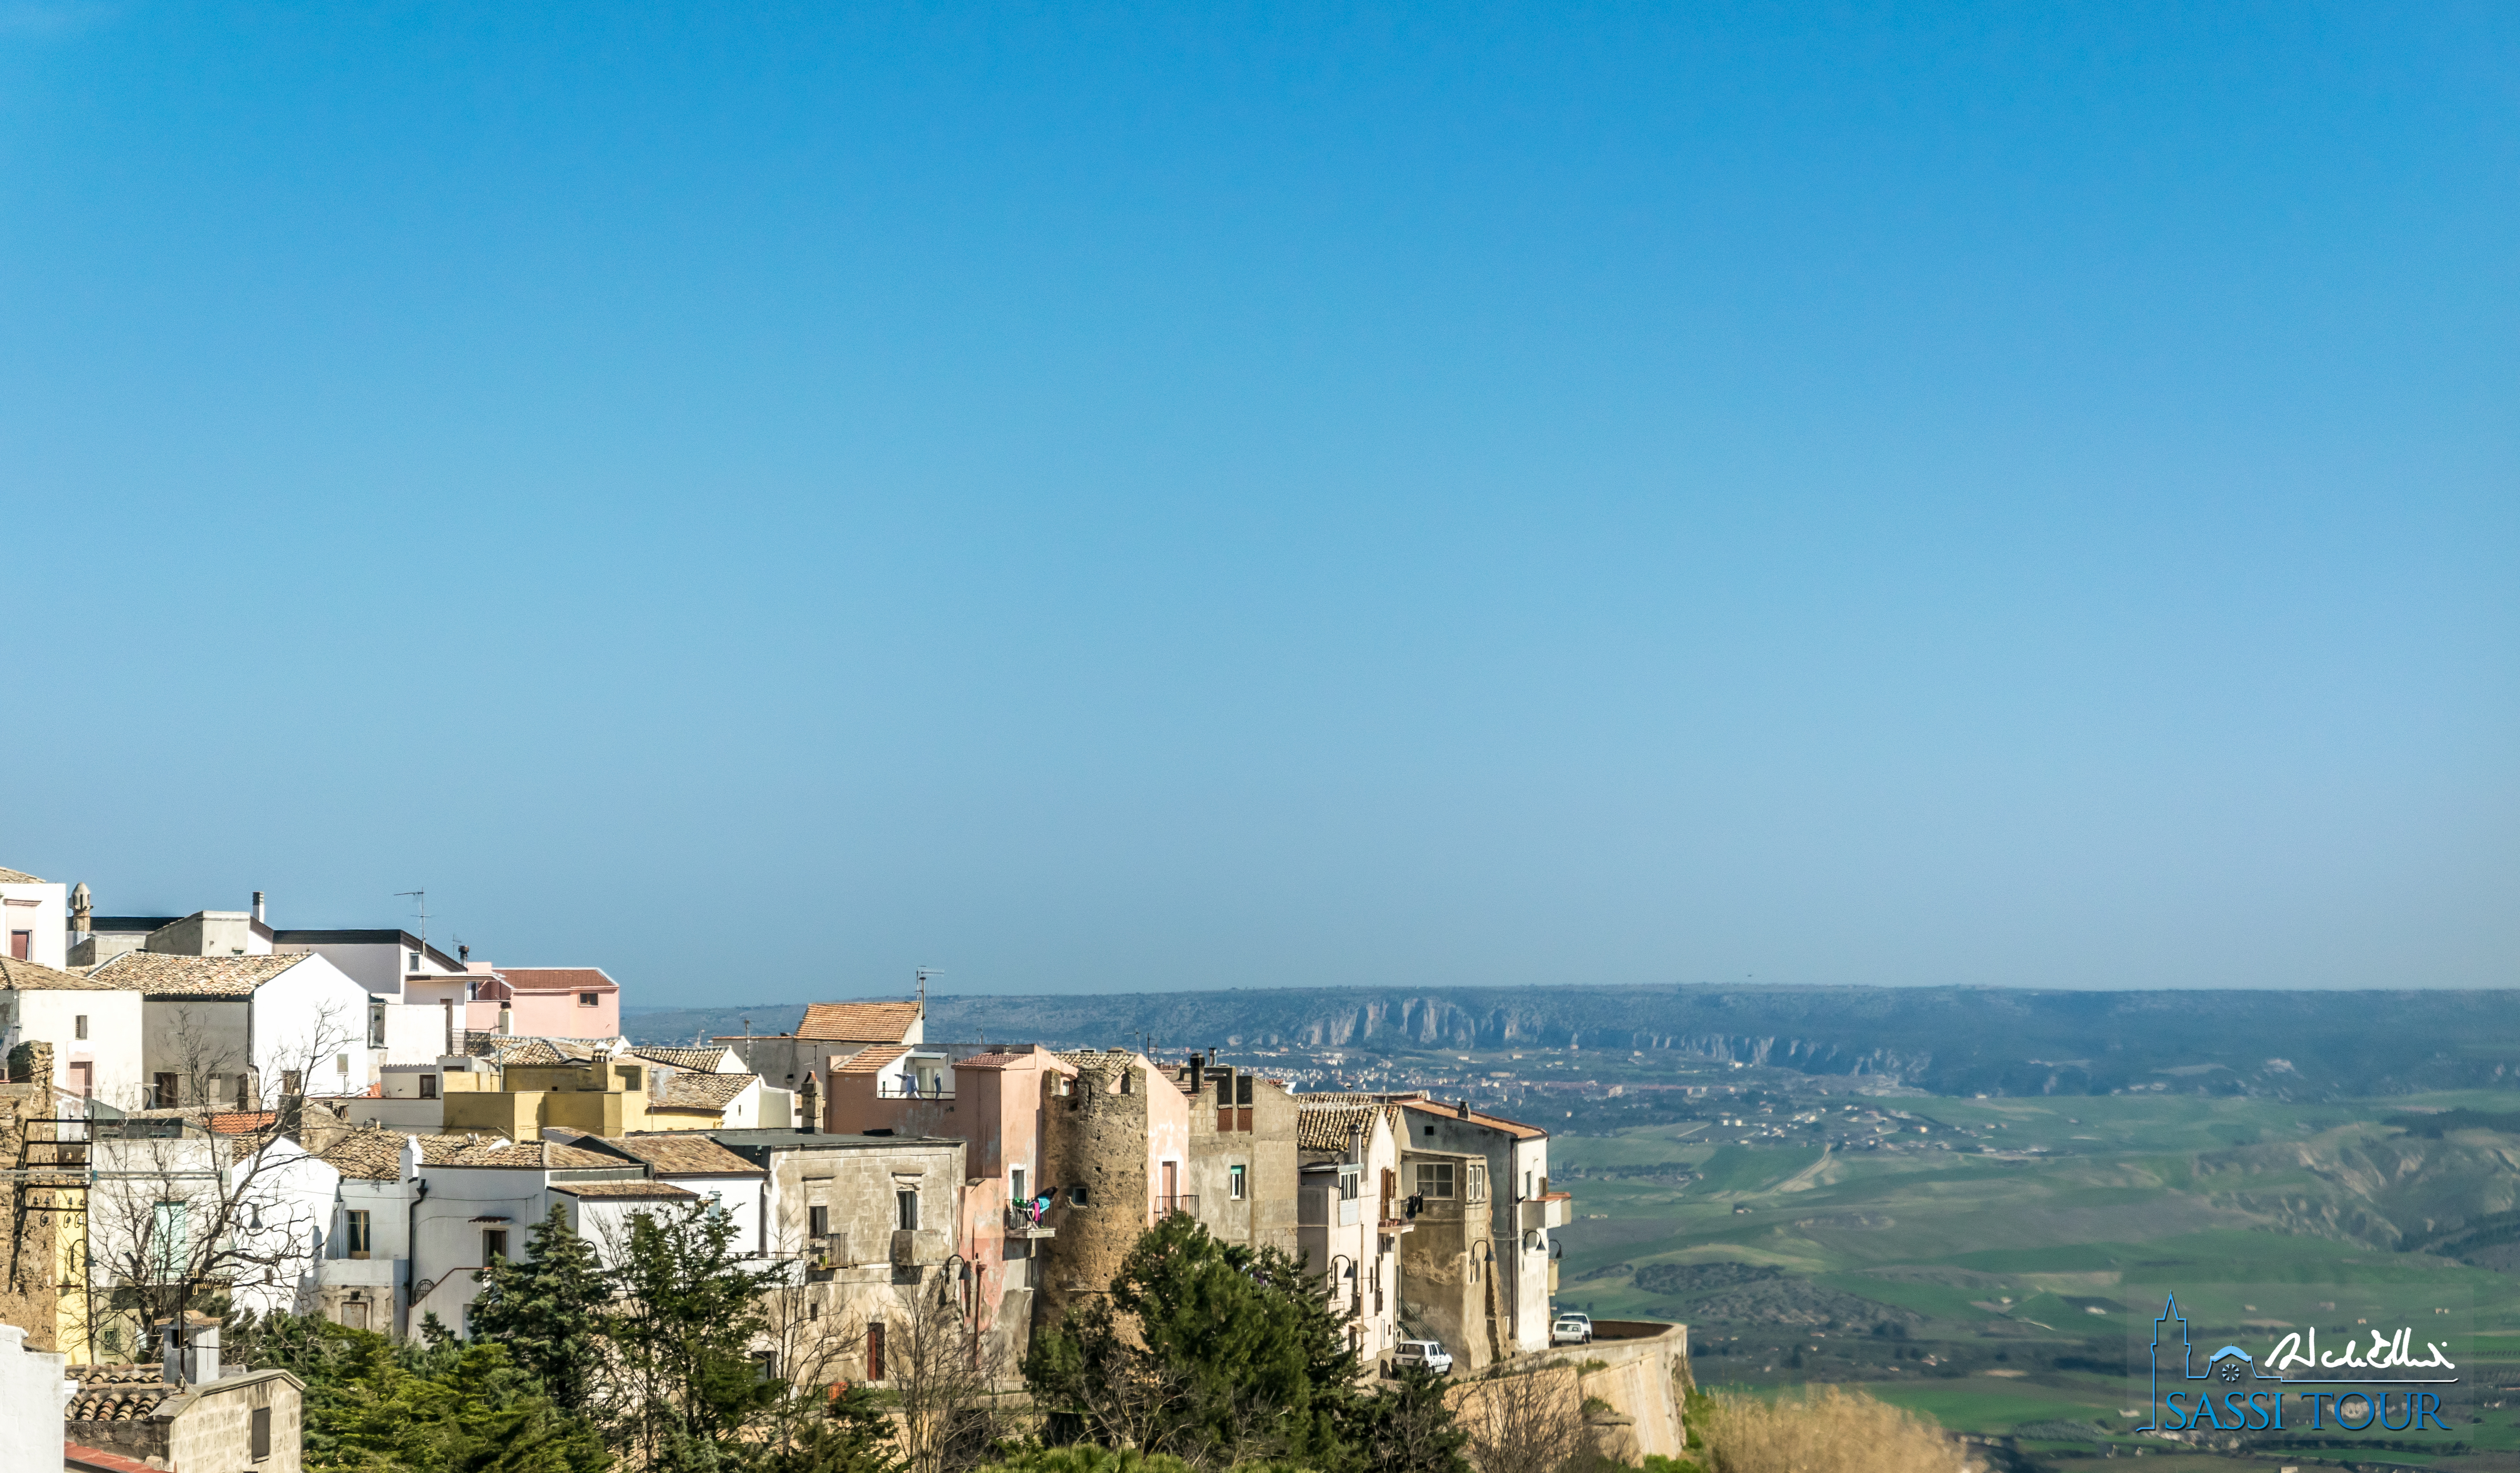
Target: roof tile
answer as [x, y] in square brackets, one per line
[154, 974]
[858, 1021]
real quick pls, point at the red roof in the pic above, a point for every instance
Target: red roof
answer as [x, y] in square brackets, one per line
[98, 1461]
[858, 1021]
[241, 1122]
[559, 980]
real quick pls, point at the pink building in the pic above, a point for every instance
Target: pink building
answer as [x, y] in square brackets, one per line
[543, 1002]
[992, 1102]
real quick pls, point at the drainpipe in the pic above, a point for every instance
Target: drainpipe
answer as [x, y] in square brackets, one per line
[411, 1253]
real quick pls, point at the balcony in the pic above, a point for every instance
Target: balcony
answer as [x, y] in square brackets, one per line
[1186, 1206]
[1023, 1225]
[911, 1090]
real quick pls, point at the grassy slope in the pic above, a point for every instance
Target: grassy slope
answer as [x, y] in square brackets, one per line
[2227, 1201]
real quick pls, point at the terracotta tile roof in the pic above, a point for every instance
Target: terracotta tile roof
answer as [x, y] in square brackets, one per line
[683, 1153]
[154, 975]
[29, 976]
[18, 877]
[1332, 1097]
[116, 1401]
[1097, 1058]
[1326, 1127]
[858, 1021]
[702, 1060]
[702, 1091]
[1513, 1127]
[375, 1153]
[559, 980]
[870, 1060]
[524, 1048]
[653, 1191]
[241, 1121]
[98, 1461]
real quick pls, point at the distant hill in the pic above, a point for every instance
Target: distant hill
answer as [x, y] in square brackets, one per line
[1952, 1041]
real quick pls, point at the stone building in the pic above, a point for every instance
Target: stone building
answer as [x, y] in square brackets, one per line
[245, 1423]
[1115, 1147]
[1241, 1173]
[870, 1226]
[1475, 1268]
[41, 1290]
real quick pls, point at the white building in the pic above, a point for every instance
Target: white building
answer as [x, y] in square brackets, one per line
[94, 1028]
[33, 915]
[1348, 1216]
[242, 1031]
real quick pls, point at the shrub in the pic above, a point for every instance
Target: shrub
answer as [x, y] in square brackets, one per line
[1825, 1430]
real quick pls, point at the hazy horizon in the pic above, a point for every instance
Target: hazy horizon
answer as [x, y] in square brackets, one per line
[1118, 499]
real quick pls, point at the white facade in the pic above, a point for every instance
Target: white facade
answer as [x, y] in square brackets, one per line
[95, 1033]
[307, 1019]
[34, 1388]
[34, 915]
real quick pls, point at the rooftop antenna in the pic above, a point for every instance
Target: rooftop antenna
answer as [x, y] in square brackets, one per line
[422, 896]
[923, 973]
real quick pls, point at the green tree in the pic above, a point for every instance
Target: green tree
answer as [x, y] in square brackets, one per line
[685, 1386]
[1407, 1428]
[548, 1309]
[1207, 1351]
[444, 1409]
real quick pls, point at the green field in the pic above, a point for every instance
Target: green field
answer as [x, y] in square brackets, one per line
[1993, 1261]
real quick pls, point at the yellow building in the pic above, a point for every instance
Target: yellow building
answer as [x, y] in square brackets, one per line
[609, 1095]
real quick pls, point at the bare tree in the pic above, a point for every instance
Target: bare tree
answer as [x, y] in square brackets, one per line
[1526, 1422]
[944, 1376]
[212, 1201]
[813, 1344]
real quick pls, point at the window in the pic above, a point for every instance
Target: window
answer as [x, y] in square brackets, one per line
[1527, 1192]
[1076, 1196]
[429, 1086]
[261, 1433]
[494, 1243]
[1476, 1187]
[818, 1222]
[590, 999]
[376, 1026]
[1434, 1178]
[909, 1204]
[162, 1091]
[1129, 1082]
[1350, 1180]
[168, 1233]
[1234, 1182]
[355, 1239]
[874, 1350]
[341, 1062]
[1242, 1089]
[292, 1081]
[414, 961]
[1015, 1185]
[79, 1026]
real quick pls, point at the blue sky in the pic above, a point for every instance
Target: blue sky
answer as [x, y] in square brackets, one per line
[1101, 498]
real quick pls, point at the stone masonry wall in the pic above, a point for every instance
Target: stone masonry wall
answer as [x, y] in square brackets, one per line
[1093, 1137]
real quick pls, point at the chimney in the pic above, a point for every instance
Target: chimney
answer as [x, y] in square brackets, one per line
[83, 917]
[257, 904]
[1463, 1110]
[192, 1351]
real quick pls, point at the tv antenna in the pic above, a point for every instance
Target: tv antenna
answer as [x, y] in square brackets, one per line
[422, 896]
[922, 974]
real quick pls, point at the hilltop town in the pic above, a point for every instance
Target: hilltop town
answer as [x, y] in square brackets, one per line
[215, 1119]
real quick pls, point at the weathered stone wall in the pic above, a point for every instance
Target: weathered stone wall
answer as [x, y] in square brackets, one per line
[1095, 1136]
[210, 1426]
[30, 1259]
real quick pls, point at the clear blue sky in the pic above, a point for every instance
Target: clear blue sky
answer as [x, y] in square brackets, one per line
[1130, 499]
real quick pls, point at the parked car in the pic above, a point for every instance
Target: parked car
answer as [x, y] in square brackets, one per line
[1571, 1328]
[1429, 1354]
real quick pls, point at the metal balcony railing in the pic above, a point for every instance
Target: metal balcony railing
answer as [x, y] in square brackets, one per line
[909, 1089]
[1184, 1205]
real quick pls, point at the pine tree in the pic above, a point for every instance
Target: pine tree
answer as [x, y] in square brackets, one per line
[549, 1310]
